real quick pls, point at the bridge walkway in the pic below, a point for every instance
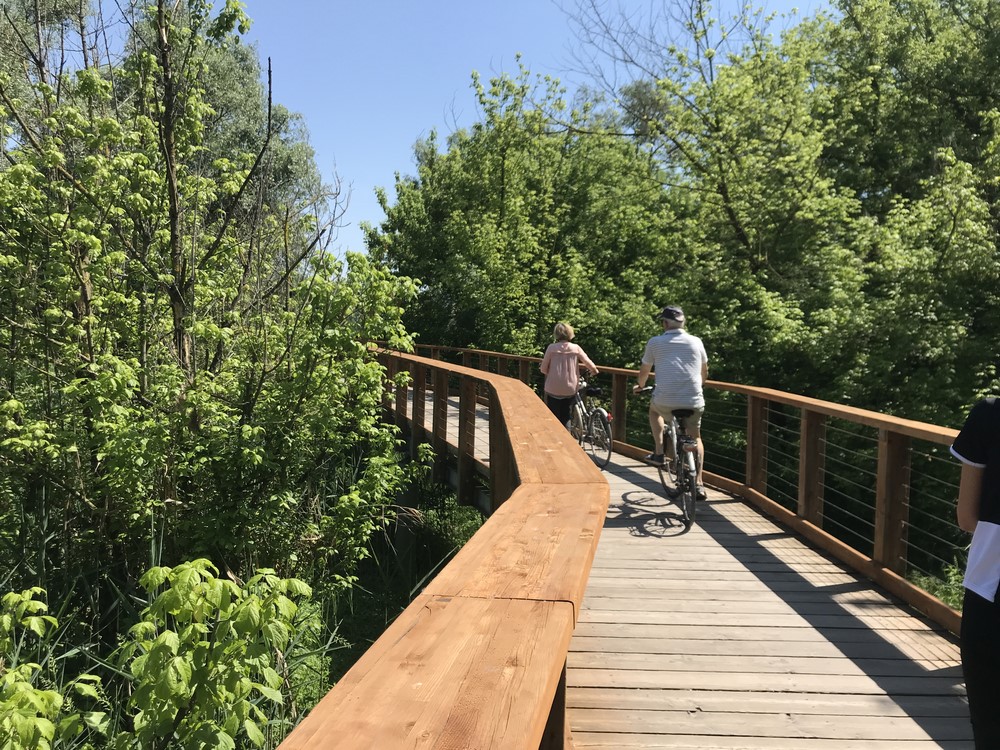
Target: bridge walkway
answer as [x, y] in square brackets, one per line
[737, 634]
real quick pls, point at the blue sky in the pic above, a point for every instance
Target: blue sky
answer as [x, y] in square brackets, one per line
[371, 77]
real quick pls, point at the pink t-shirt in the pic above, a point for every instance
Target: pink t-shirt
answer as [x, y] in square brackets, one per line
[561, 367]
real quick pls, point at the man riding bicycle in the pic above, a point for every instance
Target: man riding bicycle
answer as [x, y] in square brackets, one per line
[681, 366]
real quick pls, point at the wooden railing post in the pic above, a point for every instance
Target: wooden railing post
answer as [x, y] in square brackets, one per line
[440, 425]
[418, 431]
[812, 465]
[756, 468]
[467, 401]
[892, 496]
[524, 371]
[557, 734]
[503, 467]
[390, 364]
[619, 382]
[401, 403]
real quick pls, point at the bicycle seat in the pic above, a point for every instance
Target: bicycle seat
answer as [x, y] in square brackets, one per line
[682, 413]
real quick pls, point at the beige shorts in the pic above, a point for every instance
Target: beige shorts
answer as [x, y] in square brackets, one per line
[692, 423]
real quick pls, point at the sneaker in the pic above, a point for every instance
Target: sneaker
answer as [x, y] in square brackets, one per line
[702, 495]
[654, 458]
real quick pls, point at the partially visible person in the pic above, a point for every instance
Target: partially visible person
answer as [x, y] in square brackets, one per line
[978, 448]
[561, 368]
[681, 366]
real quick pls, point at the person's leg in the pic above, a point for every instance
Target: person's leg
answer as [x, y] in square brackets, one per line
[559, 406]
[981, 667]
[693, 426]
[656, 425]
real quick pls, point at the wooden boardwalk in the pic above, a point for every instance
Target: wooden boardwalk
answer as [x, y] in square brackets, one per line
[739, 635]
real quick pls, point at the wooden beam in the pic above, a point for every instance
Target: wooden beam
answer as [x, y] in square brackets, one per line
[467, 402]
[440, 425]
[756, 461]
[418, 433]
[812, 466]
[619, 384]
[449, 672]
[892, 500]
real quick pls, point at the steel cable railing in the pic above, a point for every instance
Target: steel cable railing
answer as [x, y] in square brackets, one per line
[875, 490]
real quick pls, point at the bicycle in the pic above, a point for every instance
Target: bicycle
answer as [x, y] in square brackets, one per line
[683, 473]
[591, 425]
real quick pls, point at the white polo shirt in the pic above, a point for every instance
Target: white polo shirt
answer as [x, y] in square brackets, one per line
[677, 358]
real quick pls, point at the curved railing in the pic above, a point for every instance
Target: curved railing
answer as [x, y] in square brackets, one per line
[875, 491]
[478, 659]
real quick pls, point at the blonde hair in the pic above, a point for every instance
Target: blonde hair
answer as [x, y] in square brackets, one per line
[563, 332]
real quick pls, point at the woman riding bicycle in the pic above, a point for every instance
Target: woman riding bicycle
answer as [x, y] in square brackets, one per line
[561, 368]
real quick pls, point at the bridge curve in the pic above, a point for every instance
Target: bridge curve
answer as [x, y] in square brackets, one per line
[738, 633]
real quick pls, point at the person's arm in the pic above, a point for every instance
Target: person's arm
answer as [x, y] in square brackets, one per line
[704, 362]
[586, 361]
[970, 489]
[546, 360]
[643, 376]
[971, 447]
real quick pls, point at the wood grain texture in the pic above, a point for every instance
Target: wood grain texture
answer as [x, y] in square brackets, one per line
[448, 673]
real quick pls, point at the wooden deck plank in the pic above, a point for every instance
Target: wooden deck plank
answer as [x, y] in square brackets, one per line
[806, 727]
[638, 741]
[739, 635]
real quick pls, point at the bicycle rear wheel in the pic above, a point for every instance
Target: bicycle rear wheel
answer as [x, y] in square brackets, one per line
[599, 437]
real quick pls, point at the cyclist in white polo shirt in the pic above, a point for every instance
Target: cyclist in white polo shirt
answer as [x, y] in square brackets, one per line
[681, 366]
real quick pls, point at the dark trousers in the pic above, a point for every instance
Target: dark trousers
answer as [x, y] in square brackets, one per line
[981, 666]
[560, 406]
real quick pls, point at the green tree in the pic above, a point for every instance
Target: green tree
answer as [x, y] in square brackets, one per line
[186, 369]
[534, 215]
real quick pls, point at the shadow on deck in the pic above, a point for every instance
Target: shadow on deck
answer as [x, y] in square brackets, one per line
[738, 634]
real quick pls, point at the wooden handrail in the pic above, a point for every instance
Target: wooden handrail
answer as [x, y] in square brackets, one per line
[885, 566]
[478, 659]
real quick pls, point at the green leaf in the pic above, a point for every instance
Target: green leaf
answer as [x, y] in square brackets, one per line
[253, 732]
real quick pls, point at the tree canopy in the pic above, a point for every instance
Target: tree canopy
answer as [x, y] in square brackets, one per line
[822, 203]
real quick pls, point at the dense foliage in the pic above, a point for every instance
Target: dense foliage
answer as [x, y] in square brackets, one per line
[823, 204]
[185, 374]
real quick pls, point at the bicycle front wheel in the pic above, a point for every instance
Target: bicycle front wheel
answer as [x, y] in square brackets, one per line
[577, 425]
[599, 437]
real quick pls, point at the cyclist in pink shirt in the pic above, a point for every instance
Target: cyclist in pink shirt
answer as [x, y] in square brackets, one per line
[561, 368]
